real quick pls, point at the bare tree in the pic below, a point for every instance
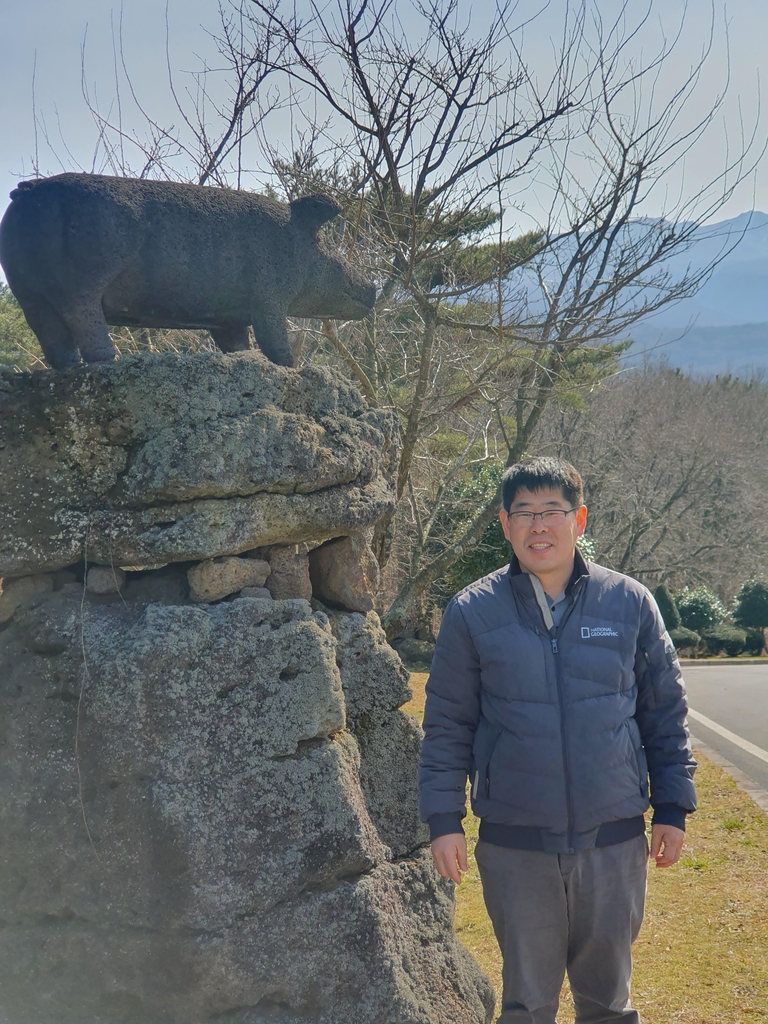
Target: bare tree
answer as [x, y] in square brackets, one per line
[674, 475]
[220, 111]
[437, 129]
[601, 274]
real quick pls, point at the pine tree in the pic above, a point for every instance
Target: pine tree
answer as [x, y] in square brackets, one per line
[750, 608]
[667, 607]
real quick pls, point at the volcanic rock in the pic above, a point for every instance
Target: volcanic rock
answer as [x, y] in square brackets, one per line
[218, 577]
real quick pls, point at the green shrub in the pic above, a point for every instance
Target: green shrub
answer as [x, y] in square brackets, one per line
[682, 637]
[723, 639]
[667, 607]
[750, 609]
[754, 643]
[586, 546]
[700, 608]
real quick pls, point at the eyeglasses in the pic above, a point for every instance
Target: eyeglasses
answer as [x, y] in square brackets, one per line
[550, 517]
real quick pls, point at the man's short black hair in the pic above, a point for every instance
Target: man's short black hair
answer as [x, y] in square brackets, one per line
[539, 473]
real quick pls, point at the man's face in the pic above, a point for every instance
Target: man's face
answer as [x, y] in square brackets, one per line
[543, 547]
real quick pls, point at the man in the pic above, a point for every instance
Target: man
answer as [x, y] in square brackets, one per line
[555, 688]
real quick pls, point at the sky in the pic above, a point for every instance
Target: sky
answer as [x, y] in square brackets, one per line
[42, 42]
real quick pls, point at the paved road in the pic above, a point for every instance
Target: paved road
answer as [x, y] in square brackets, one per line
[735, 698]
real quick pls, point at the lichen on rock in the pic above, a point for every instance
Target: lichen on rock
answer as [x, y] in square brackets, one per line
[160, 459]
[207, 809]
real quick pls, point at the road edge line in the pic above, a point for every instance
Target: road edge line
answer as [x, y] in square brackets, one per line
[742, 780]
[738, 741]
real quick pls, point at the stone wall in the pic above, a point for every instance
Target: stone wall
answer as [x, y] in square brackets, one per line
[207, 791]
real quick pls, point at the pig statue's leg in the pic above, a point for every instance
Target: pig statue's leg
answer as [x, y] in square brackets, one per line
[272, 337]
[55, 338]
[85, 319]
[232, 337]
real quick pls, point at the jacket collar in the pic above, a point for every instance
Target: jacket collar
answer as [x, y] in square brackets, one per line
[521, 584]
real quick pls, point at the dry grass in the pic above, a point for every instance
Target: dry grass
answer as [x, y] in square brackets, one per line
[702, 956]
[416, 705]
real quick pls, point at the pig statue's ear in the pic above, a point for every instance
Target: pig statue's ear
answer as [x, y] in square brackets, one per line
[311, 212]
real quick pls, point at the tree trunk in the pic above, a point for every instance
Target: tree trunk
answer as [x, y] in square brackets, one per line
[385, 527]
[411, 433]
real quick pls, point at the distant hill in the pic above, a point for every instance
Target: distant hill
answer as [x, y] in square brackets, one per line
[736, 293]
[739, 349]
[723, 328]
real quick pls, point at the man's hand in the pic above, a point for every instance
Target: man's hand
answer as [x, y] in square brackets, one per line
[666, 845]
[450, 855]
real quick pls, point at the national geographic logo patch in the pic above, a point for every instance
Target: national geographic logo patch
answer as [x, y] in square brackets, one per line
[586, 632]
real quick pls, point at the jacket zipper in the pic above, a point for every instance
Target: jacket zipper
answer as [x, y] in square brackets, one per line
[563, 738]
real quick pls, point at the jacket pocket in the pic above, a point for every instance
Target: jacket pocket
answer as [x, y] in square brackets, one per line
[643, 772]
[486, 738]
[641, 767]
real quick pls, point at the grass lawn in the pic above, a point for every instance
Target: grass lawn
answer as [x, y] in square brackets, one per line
[702, 956]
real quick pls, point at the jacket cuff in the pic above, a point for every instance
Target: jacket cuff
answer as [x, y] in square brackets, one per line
[669, 814]
[444, 824]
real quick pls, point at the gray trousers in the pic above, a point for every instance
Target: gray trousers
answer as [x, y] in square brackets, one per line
[554, 913]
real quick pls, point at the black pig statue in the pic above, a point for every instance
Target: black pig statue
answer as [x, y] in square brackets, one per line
[81, 251]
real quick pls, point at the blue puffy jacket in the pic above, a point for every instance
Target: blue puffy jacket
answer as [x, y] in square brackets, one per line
[557, 729]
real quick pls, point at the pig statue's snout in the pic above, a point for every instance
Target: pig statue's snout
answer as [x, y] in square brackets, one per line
[333, 288]
[361, 300]
[354, 296]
